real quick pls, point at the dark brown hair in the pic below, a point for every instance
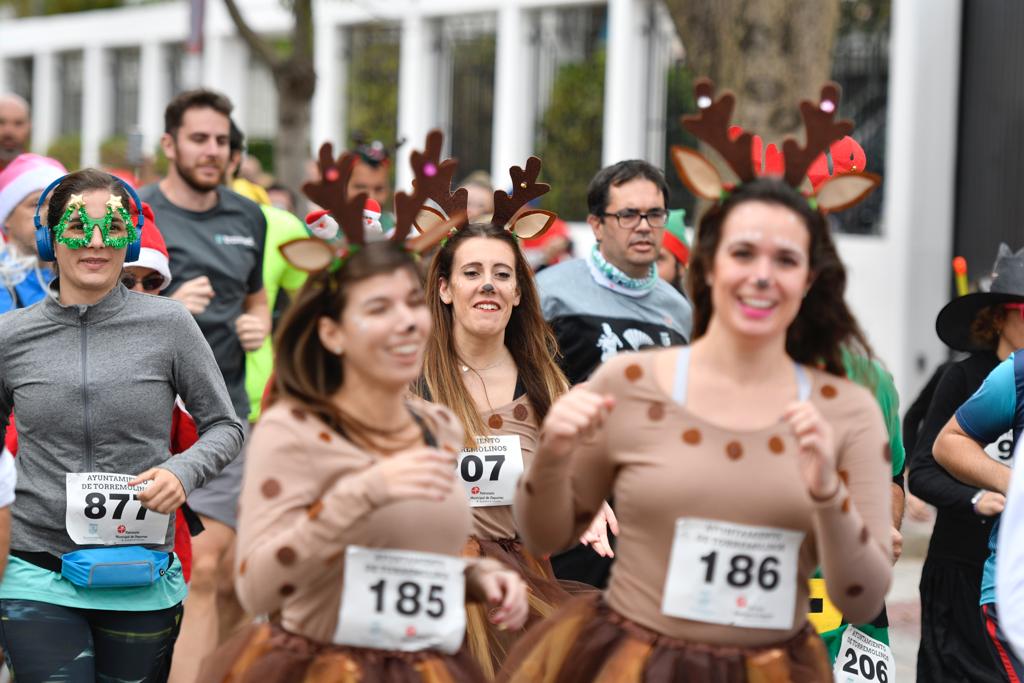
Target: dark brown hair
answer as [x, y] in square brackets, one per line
[987, 326]
[174, 114]
[304, 370]
[83, 181]
[824, 325]
[527, 336]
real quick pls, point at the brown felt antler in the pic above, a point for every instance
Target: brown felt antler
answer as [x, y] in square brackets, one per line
[426, 167]
[821, 130]
[438, 185]
[525, 189]
[712, 126]
[331, 192]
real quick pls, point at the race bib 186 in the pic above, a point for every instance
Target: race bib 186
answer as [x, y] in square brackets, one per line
[491, 471]
[733, 574]
[862, 659]
[103, 510]
[402, 600]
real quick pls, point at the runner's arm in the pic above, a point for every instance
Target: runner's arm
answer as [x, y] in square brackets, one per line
[964, 458]
[1010, 564]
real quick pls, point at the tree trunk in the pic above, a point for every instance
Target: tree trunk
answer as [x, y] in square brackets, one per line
[296, 84]
[771, 53]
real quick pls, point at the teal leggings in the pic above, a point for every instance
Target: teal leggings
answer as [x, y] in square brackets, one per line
[44, 642]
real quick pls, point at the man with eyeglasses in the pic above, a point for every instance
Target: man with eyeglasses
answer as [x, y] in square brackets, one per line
[612, 301]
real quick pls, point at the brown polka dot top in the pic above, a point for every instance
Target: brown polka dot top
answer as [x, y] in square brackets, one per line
[307, 494]
[660, 463]
[519, 419]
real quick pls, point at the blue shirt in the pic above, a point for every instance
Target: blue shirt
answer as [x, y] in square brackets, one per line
[994, 409]
[27, 292]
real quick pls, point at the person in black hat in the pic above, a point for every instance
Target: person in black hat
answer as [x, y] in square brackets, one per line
[953, 646]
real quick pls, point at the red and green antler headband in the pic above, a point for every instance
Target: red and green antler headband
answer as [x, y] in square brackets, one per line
[510, 210]
[313, 254]
[848, 184]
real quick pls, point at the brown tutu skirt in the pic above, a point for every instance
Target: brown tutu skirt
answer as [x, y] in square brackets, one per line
[587, 642]
[266, 653]
[489, 645]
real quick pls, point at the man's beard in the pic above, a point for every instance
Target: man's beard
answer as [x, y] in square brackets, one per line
[191, 181]
[9, 153]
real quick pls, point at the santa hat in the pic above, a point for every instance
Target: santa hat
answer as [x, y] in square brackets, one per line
[28, 173]
[323, 225]
[371, 215]
[153, 253]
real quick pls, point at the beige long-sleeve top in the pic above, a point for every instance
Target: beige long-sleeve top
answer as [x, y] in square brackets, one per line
[308, 494]
[660, 463]
[517, 418]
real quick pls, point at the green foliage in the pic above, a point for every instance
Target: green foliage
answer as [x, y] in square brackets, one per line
[34, 8]
[67, 149]
[679, 101]
[571, 136]
[160, 161]
[114, 152]
[262, 149]
[372, 92]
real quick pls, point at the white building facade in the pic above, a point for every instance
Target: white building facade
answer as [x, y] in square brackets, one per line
[898, 279]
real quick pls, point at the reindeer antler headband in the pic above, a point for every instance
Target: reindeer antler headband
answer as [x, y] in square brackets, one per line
[509, 209]
[846, 187]
[314, 253]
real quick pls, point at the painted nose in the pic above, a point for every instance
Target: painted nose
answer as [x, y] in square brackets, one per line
[488, 288]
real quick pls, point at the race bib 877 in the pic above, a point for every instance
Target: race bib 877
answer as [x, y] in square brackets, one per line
[103, 510]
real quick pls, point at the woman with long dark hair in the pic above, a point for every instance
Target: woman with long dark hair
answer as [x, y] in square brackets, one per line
[491, 360]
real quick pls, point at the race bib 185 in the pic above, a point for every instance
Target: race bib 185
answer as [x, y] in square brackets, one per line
[402, 600]
[103, 510]
[733, 574]
[491, 471]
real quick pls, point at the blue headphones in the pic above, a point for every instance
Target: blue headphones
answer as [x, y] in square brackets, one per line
[44, 236]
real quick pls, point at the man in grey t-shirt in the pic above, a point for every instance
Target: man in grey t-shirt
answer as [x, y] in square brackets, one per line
[215, 239]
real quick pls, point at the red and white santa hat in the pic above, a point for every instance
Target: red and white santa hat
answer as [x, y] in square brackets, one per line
[153, 253]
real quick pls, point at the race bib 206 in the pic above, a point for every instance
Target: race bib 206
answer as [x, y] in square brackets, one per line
[103, 510]
[402, 600]
[862, 659]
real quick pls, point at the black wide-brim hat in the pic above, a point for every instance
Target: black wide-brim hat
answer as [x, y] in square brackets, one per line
[954, 321]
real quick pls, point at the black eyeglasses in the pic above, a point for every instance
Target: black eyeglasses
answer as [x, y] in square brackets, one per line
[629, 219]
[150, 283]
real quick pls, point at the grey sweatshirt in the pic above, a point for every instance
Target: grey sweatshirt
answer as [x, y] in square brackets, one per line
[93, 390]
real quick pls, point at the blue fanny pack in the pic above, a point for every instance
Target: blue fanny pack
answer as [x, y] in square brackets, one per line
[118, 567]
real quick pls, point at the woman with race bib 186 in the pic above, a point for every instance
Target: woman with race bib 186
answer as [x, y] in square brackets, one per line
[92, 372]
[737, 464]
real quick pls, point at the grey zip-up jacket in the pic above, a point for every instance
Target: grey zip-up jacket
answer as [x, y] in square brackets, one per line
[93, 390]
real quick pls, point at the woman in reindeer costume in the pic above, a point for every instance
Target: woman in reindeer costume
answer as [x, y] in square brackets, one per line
[491, 361]
[351, 517]
[737, 464]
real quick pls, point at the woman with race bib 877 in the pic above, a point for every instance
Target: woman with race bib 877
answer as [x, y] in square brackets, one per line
[737, 464]
[92, 372]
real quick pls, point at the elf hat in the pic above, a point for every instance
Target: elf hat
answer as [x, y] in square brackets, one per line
[675, 236]
[954, 321]
[153, 253]
[28, 173]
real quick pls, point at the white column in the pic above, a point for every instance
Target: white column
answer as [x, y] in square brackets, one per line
[623, 105]
[153, 94]
[96, 97]
[327, 118]
[511, 134]
[44, 100]
[415, 93]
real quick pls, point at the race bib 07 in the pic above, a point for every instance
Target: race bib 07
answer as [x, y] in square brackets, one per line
[103, 510]
[402, 600]
[733, 574]
[862, 659]
[491, 471]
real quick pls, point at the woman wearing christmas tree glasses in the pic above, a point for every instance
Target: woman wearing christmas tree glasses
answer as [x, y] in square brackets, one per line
[92, 372]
